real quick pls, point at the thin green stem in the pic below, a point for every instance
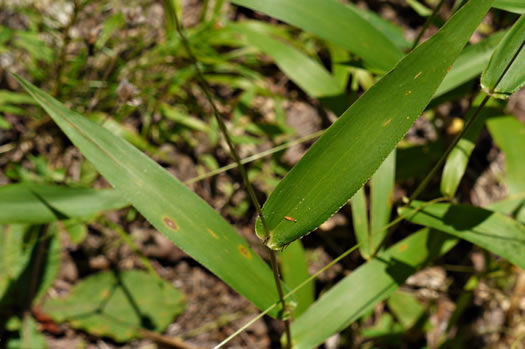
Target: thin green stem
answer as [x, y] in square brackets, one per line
[224, 130]
[297, 288]
[444, 156]
[429, 20]
[255, 157]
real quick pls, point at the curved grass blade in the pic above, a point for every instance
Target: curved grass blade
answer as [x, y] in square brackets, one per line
[492, 231]
[470, 63]
[360, 222]
[350, 151]
[167, 204]
[335, 22]
[499, 79]
[369, 284]
[458, 158]
[516, 6]
[38, 203]
[381, 192]
[294, 268]
[509, 134]
[308, 74]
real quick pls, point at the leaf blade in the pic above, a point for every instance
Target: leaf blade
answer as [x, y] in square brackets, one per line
[319, 182]
[168, 205]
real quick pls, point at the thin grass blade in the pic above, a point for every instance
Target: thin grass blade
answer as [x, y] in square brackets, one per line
[499, 79]
[168, 205]
[329, 19]
[366, 286]
[492, 231]
[38, 203]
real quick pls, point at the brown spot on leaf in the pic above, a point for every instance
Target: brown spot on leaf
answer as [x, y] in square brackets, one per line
[245, 252]
[170, 223]
[403, 247]
[387, 122]
[417, 75]
[408, 92]
[213, 234]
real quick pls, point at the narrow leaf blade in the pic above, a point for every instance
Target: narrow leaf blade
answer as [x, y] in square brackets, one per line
[498, 79]
[352, 149]
[168, 205]
[494, 232]
[328, 19]
[38, 203]
[366, 286]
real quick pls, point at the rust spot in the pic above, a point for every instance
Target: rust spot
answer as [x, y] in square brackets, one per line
[213, 234]
[170, 223]
[449, 67]
[290, 219]
[403, 247]
[417, 75]
[245, 252]
[408, 92]
[387, 122]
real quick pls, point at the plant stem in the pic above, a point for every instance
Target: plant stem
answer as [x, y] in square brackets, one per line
[444, 156]
[63, 51]
[427, 24]
[224, 130]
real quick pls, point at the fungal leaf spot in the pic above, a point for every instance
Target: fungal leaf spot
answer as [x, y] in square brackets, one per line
[213, 234]
[408, 92]
[170, 223]
[418, 75]
[245, 252]
[387, 122]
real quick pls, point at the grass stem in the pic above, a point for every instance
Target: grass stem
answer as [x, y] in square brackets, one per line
[224, 130]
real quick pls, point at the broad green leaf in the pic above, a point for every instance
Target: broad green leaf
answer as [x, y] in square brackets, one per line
[335, 22]
[509, 134]
[493, 231]
[381, 193]
[294, 268]
[167, 204]
[360, 222]
[118, 304]
[516, 6]
[458, 158]
[37, 203]
[308, 74]
[350, 151]
[366, 286]
[498, 79]
[470, 63]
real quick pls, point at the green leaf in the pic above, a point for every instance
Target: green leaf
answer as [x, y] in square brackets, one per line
[458, 158]
[360, 222]
[498, 79]
[37, 203]
[366, 286]
[470, 63]
[308, 74]
[493, 231]
[381, 193]
[509, 134]
[294, 268]
[513, 205]
[335, 22]
[350, 151]
[167, 204]
[516, 6]
[29, 336]
[118, 304]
